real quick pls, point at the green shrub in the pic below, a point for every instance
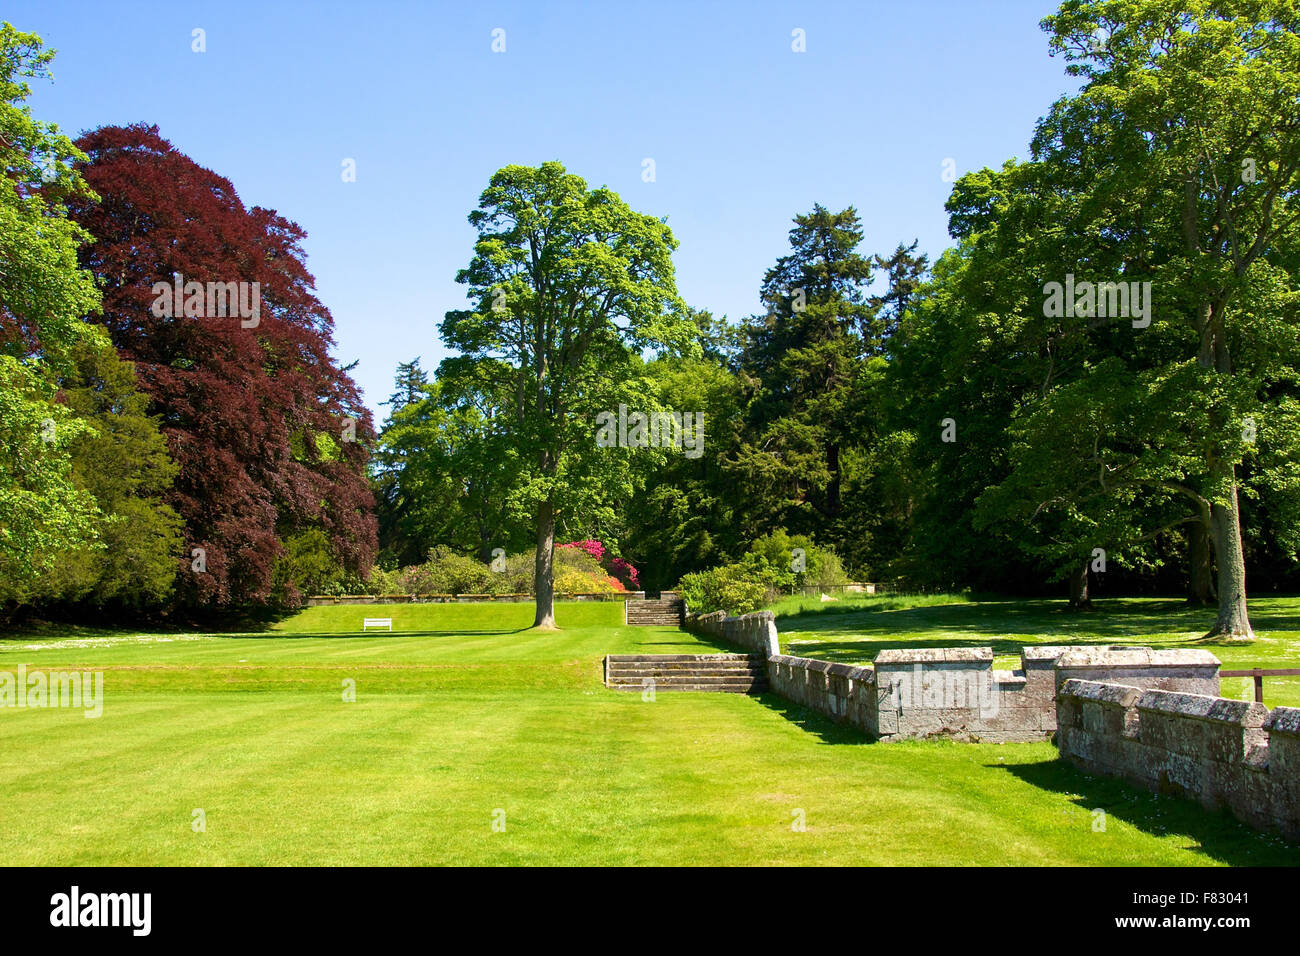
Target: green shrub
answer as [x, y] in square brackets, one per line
[307, 566]
[572, 581]
[446, 572]
[575, 559]
[821, 565]
[518, 577]
[380, 581]
[762, 575]
[734, 588]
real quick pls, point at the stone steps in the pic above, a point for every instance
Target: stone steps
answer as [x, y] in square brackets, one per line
[665, 612]
[694, 666]
[727, 673]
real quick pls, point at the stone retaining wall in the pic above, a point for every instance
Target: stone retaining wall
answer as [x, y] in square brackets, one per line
[1228, 754]
[843, 692]
[954, 692]
[755, 632]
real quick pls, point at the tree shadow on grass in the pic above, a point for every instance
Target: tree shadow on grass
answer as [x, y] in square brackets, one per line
[813, 722]
[1007, 626]
[1113, 617]
[865, 651]
[1217, 834]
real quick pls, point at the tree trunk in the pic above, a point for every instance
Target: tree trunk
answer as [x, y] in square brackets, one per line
[1079, 599]
[1233, 623]
[545, 566]
[1200, 580]
[1225, 526]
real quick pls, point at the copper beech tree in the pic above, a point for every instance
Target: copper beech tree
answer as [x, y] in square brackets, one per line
[265, 426]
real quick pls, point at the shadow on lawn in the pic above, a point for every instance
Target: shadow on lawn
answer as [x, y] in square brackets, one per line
[1007, 626]
[1216, 834]
[813, 722]
[1114, 617]
[861, 651]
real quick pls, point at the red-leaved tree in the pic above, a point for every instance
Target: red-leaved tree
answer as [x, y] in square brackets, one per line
[256, 413]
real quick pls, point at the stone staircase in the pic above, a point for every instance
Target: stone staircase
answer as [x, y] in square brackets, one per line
[666, 610]
[725, 673]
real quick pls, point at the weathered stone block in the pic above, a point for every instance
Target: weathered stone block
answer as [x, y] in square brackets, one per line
[1178, 670]
[1100, 710]
[1200, 726]
[1283, 728]
[1069, 709]
[1122, 695]
[933, 655]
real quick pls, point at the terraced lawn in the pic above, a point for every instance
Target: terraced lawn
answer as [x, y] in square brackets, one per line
[855, 631]
[475, 740]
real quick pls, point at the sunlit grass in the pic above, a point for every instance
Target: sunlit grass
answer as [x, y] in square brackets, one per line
[464, 717]
[849, 602]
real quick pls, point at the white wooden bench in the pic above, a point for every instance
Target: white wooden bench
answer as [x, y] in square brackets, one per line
[370, 622]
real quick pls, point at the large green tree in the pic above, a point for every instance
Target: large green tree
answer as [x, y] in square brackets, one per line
[568, 286]
[1183, 152]
[447, 471]
[43, 298]
[686, 518]
[122, 461]
[804, 357]
[959, 369]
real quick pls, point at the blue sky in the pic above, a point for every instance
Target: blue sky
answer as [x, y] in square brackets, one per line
[744, 132]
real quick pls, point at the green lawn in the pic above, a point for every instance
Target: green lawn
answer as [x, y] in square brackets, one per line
[464, 712]
[854, 631]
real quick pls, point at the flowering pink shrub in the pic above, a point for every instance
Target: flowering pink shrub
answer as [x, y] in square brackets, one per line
[592, 547]
[621, 570]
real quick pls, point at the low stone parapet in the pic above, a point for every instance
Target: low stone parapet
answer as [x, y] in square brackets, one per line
[1228, 754]
[843, 692]
[955, 692]
[1182, 670]
[755, 632]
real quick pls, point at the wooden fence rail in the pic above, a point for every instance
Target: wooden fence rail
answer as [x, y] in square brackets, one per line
[1259, 674]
